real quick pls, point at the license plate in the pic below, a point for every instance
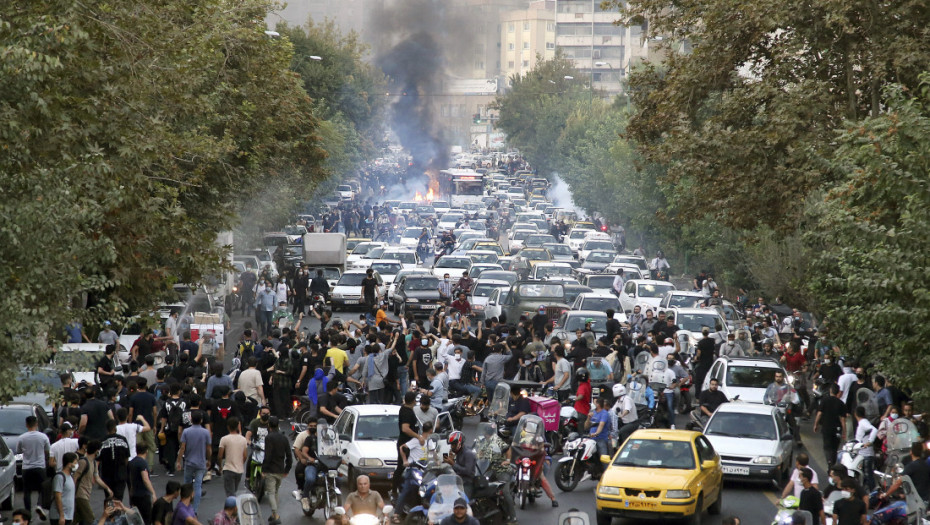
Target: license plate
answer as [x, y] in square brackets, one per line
[639, 504]
[429, 306]
[353, 301]
[730, 469]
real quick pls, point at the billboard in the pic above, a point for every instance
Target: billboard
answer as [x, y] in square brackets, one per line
[472, 86]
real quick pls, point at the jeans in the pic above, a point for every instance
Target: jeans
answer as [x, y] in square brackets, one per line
[195, 475]
[265, 321]
[402, 379]
[506, 478]
[310, 473]
[32, 481]
[603, 449]
[410, 487]
[868, 476]
[231, 482]
[376, 397]
[457, 385]
[272, 484]
[670, 404]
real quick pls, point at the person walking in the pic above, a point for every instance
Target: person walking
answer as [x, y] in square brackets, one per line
[164, 506]
[231, 456]
[195, 451]
[185, 514]
[34, 447]
[831, 419]
[63, 491]
[85, 477]
[278, 462]
[114, 460]
[141, 492]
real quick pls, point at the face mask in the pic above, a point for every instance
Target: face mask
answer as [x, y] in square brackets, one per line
[267, 288]
[893, 417]
[832, 482]
[446, 279]
[424, 342]
[265, 417]
[74, 468]
[827, 361]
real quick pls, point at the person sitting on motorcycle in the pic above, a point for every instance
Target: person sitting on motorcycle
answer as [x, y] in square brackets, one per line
[919, 472]
[363, 500]
[659, 264]
[519, 407]
[465, 283]
[491, 448]
[538, 445]
[582, 395]
[318, 285]
[448, 242]
[599, 430]
[463, 461]
[305, 453]
[461, 304]
[624, 418]
[793, 360]
[710, 399]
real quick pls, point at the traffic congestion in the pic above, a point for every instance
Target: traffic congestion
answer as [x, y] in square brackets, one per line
[473, 352]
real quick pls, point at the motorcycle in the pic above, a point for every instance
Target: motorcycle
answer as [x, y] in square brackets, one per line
[255, 482]
[580, 457]
[528, 453]
[318, 302]
[903, 507]
[487, 504]
[851, 458]
[438, 499]
[787, 509]
[325, 494]
[366, 519]
[497, 409]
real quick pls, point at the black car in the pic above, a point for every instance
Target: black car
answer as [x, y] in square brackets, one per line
[418, 294]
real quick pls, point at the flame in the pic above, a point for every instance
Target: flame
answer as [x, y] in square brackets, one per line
[429, 195]
[418, 197]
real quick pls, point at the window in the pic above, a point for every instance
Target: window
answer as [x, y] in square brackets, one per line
[526, 63]
[550, 26]
[550, 45]
[526, 45]
[510, 64]
[596, 77]
[510, 46]
[479, 65]
[705, 449]
[510, 27]
[526, 26]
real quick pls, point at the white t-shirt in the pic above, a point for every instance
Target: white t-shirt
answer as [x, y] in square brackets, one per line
[844, 382]
[62, 447]
[455, 367]
[129, 431]
[796, 479]
[665, 350]
[627, 405]
[417, 451]
[562, 369]
[670, 377]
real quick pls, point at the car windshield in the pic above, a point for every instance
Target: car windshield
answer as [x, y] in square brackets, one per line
[694, 322]
[374, 253]
[451, 217]
[484, 290]
[331, 273]
[351, 279]
[412, 233]
[750, 376]
[492, 247]
[82, 361]
[362, 248]
[601, 281]
[549, 271]
[520, 235]
[441, 204]
[535, 255]
[683, 301]
[534, 291]
[577, 234]
[599, 303]
[421, 283]
[654, 290]
[376, 428]
[484, 257]
[576, 322]
[425, 209]
[13, 420]
[344, 188]
[500, 275]
[386, 268]
[295, 230]
[453, 262]
[741, 425]
[598, 245]
[403, 257]
[654, 453]
[599, 257]
[558, 249]
[539, 240]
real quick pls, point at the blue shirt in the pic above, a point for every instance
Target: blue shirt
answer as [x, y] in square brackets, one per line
[265, 300]
[439, 392]
[196, 438]
[74, 332]
[596, 419]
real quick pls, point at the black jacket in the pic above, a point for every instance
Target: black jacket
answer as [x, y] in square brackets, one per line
[278, 458]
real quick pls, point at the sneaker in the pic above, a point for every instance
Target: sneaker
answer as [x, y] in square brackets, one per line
[208, 476]
[305, 504]
[584, 477]
[296, 495]
[170, 474]
[40, 512]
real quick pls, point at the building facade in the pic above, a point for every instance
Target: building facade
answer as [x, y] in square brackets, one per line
[526, 36]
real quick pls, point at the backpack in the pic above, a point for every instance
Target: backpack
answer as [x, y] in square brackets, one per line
[175, 412]
[246, 350]
[48, 490]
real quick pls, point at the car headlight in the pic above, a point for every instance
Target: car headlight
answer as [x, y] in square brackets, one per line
[764, 460]
[412, 300]
[608, 490]
[678, 494]
[337, 296]
[332, 473]
[370, 462]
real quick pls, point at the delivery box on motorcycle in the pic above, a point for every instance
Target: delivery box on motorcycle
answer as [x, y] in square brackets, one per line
[548, 409]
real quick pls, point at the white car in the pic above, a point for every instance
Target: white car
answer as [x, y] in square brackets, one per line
[561, 253]
[482, 256]
[599, 301]
[495, 301]
[367, 436]
[81, 359]
[481, 294]
[407, 207]
[630, 271]
[407, 256]
[643, 292]
[345, 192]
[543, 271]
[633, 259]
[681, 299]
[348, 290]
[355, 260]
[595, 245]
[449, 220]
[411, 236]
[746, 377]
[575, 239]
[694, 320]
[754, 442]
[453, 265]
[441, 207]
[599, 282]
[479, 268]
[389, 294]
[515, 241]
[387, 269]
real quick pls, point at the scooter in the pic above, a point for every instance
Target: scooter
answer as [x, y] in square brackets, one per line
[580, 458]
[851, 458]
[367, 519]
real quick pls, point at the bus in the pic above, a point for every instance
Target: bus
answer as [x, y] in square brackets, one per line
[461, 186]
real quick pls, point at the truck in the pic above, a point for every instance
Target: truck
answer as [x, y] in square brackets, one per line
[326, 251]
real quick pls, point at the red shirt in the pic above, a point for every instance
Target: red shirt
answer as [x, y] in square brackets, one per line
[583, 398]
[463, 307]
[794, 362]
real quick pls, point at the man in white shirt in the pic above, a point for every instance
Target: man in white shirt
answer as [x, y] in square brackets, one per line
[623, 416]
[794, 485]
[250, 382]
[668, 347]
[130, 430]
[618, 282]
[671, 383]
[865, 434]
[412, 451]
[67, 443]
[845, 381]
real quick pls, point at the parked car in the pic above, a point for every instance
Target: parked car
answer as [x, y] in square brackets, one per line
[12, 427]
[754, 442]
[418, 294]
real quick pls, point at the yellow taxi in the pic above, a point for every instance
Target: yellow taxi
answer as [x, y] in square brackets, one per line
[490, 245]
[661, 474]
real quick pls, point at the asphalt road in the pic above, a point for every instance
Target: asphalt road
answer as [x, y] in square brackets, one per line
[753, 503]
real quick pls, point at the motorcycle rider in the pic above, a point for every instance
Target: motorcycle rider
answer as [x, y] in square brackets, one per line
[624, 418]
[865, 434]
[465, 283]
[519, 407]
[490, 447]
[780, 391]
[463, 461]
[318, 285]
[710, 399]
[599, 430]
[658, 264]
[919, 472]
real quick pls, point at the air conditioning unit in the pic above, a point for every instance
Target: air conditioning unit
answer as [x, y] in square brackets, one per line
[596, 54]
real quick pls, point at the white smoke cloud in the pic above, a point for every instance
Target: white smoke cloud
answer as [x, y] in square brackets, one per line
[561, 195]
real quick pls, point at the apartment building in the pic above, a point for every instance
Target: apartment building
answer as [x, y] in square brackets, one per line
[526, 36]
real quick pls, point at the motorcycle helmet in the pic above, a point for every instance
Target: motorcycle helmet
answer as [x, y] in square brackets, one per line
[757, 325]
[619, 390]
[581, 374]
[456, 438]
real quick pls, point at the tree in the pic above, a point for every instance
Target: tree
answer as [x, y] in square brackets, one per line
[870, 234]
[742, 120]
[132, 132]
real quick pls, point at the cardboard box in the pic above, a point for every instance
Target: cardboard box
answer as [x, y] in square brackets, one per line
[204, 322]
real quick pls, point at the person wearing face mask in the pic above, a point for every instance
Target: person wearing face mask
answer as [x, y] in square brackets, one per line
[445, 289]
[281, 290]
[299, 290]
[422, 358]
[455, 365]
[21, 517]
[264, 308]
[829, 371]
[62, 511]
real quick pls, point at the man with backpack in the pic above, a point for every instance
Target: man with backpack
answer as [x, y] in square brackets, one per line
[246, 347]
[61, 501]
[170, 419]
